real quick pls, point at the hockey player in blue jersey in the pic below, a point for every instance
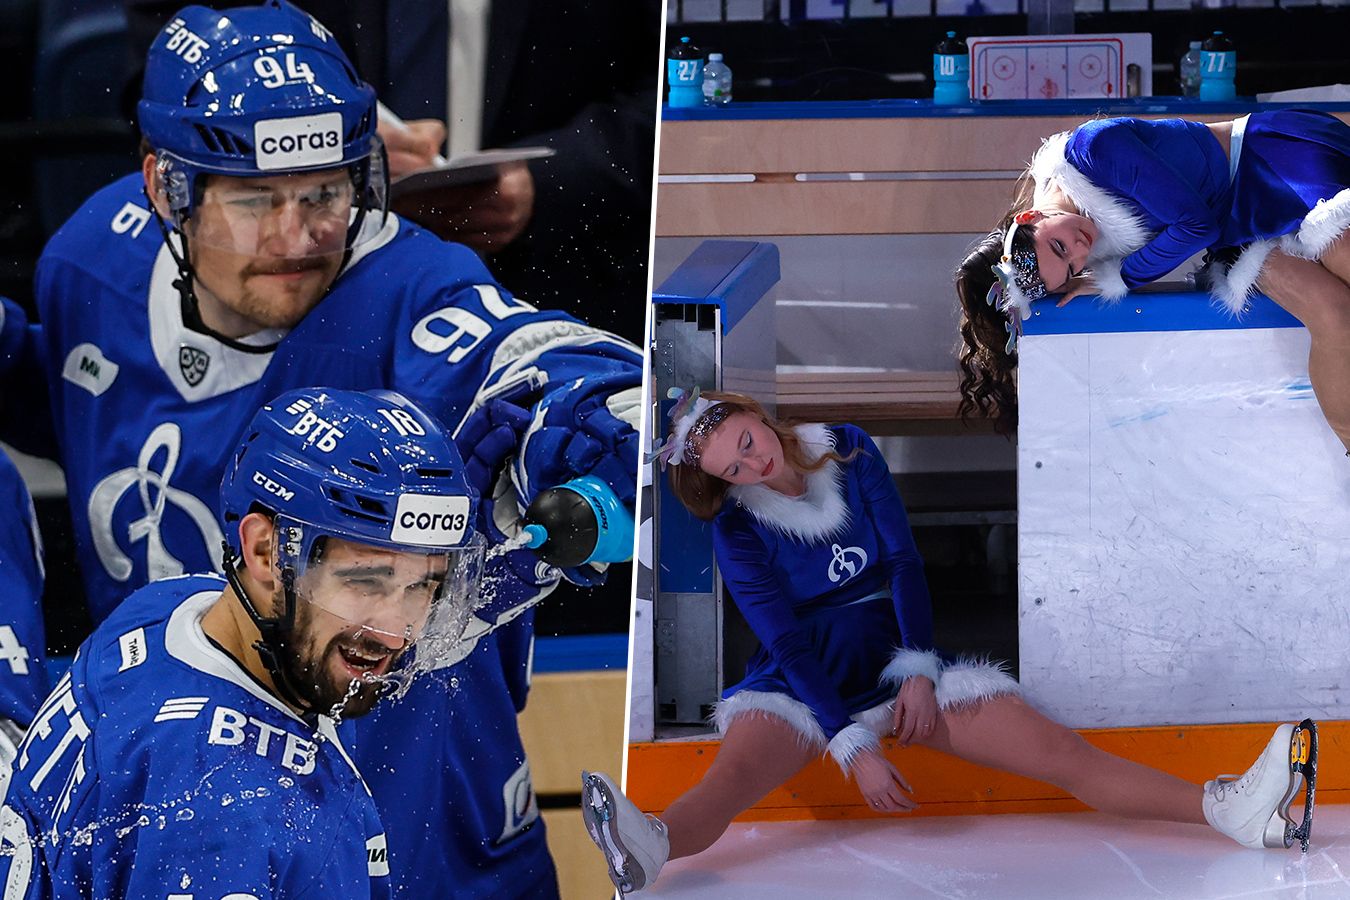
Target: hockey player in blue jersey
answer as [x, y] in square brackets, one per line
[195, 748]
[23, 644]
[253, 254]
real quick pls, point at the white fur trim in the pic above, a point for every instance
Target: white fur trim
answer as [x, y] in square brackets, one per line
[768, 703]
[680, 438]
[1321, 227]
[851, 741]
[878, 719]
[971, 681]
[1120, 231]
[1106, 277]
[818, 514]
[1233, 285]
[906, 663]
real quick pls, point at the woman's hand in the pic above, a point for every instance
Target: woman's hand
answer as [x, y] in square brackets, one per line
[915, 710]
[1077, 286]
[881, 784]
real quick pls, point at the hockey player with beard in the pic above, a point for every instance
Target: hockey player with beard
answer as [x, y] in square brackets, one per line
[254, 254]
[195, 748]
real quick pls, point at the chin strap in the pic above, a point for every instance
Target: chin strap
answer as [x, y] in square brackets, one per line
[273, 631]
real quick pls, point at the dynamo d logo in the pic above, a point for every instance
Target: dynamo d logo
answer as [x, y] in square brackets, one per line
[847, 562]
[429, 520]
[299, 142]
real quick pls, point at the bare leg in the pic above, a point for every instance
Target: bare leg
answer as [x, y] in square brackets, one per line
[1318, 295]
[1007, 734]
[758, 753]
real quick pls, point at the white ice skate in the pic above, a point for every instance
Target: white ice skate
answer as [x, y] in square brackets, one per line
[1254, 809]
[635, 844]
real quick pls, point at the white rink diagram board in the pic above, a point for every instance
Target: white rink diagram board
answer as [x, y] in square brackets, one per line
[1184, 530]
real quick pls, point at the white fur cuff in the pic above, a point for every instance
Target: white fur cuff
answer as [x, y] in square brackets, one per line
[847, 744]
[971, 681]
[1106, 276]
[767, 703]
[905, 664]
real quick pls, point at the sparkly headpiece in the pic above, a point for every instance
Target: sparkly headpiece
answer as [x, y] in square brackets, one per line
[1018, 282]
[692, 419]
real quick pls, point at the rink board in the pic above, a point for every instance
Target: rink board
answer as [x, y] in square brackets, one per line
[1183, 519]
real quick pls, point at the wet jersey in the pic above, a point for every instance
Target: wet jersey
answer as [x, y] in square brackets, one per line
[159, 768]
[23, 640]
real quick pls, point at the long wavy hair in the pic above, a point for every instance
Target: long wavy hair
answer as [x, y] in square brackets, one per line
[703, 494]
[988, 372]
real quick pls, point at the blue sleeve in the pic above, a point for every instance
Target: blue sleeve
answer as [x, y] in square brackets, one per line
[748, 573]
[25, 414]
[23, 640]
[470, 343]
[1116, 159]
[899, 555]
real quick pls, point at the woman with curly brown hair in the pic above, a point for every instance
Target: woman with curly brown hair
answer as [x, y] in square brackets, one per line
[1117, 203]
[814, 547]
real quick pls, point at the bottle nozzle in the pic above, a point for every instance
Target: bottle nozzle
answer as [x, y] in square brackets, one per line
[537, 535]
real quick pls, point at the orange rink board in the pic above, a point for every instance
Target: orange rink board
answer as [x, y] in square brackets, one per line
[945, 786]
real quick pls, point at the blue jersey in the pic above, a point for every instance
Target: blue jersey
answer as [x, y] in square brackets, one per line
[159, 768]
[831, 582]
[146, 410]
[23, 640]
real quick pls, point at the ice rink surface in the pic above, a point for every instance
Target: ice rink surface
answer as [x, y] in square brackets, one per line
[1009, 857]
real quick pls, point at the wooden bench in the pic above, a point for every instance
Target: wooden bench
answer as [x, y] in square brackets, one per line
[884, 403]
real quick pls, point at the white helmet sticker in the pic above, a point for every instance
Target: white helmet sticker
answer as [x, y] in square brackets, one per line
[430, 521]
[299, 142]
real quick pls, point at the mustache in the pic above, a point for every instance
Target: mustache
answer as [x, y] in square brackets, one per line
[287, 266]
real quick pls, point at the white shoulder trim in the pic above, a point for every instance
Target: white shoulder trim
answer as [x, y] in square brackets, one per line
[818, 514]
[1120, 231]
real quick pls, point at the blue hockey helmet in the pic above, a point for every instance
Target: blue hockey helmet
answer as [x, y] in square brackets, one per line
[369, 467]
[374, 470]
[255, 91]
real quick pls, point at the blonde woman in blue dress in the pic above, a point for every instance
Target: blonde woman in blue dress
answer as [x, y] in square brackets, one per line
[813, 545]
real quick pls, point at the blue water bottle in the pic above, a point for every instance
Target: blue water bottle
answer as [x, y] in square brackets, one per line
[951, 71]
[580, 522]
[1218, 68]
[684, 74]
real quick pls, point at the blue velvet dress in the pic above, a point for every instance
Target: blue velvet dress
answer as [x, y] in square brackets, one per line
[830, 609]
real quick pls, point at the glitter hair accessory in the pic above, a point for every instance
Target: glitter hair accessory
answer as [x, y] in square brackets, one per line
[1018, 282]
[692, 419]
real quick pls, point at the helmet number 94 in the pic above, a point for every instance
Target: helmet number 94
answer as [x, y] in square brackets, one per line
[274, 76]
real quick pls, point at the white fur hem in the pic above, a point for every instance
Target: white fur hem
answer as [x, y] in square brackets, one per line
[905, 664]
[1321, 227]
[847, 744]
[971, 681]
[818, 514]
[1234, 285]
[767, 703]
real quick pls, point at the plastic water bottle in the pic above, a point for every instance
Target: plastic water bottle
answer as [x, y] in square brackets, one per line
[684, 74]
[951, 71]
[716, 81]
[579, 522]
[1218, 68]
[1190, 71]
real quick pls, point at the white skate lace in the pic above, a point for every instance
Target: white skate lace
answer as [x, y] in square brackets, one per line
[1237, 784]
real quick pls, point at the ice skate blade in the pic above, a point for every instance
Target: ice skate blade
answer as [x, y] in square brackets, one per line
[1303, 768]
[597, 806]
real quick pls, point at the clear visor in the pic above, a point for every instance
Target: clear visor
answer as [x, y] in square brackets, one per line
[289, 222]
[379, 601]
